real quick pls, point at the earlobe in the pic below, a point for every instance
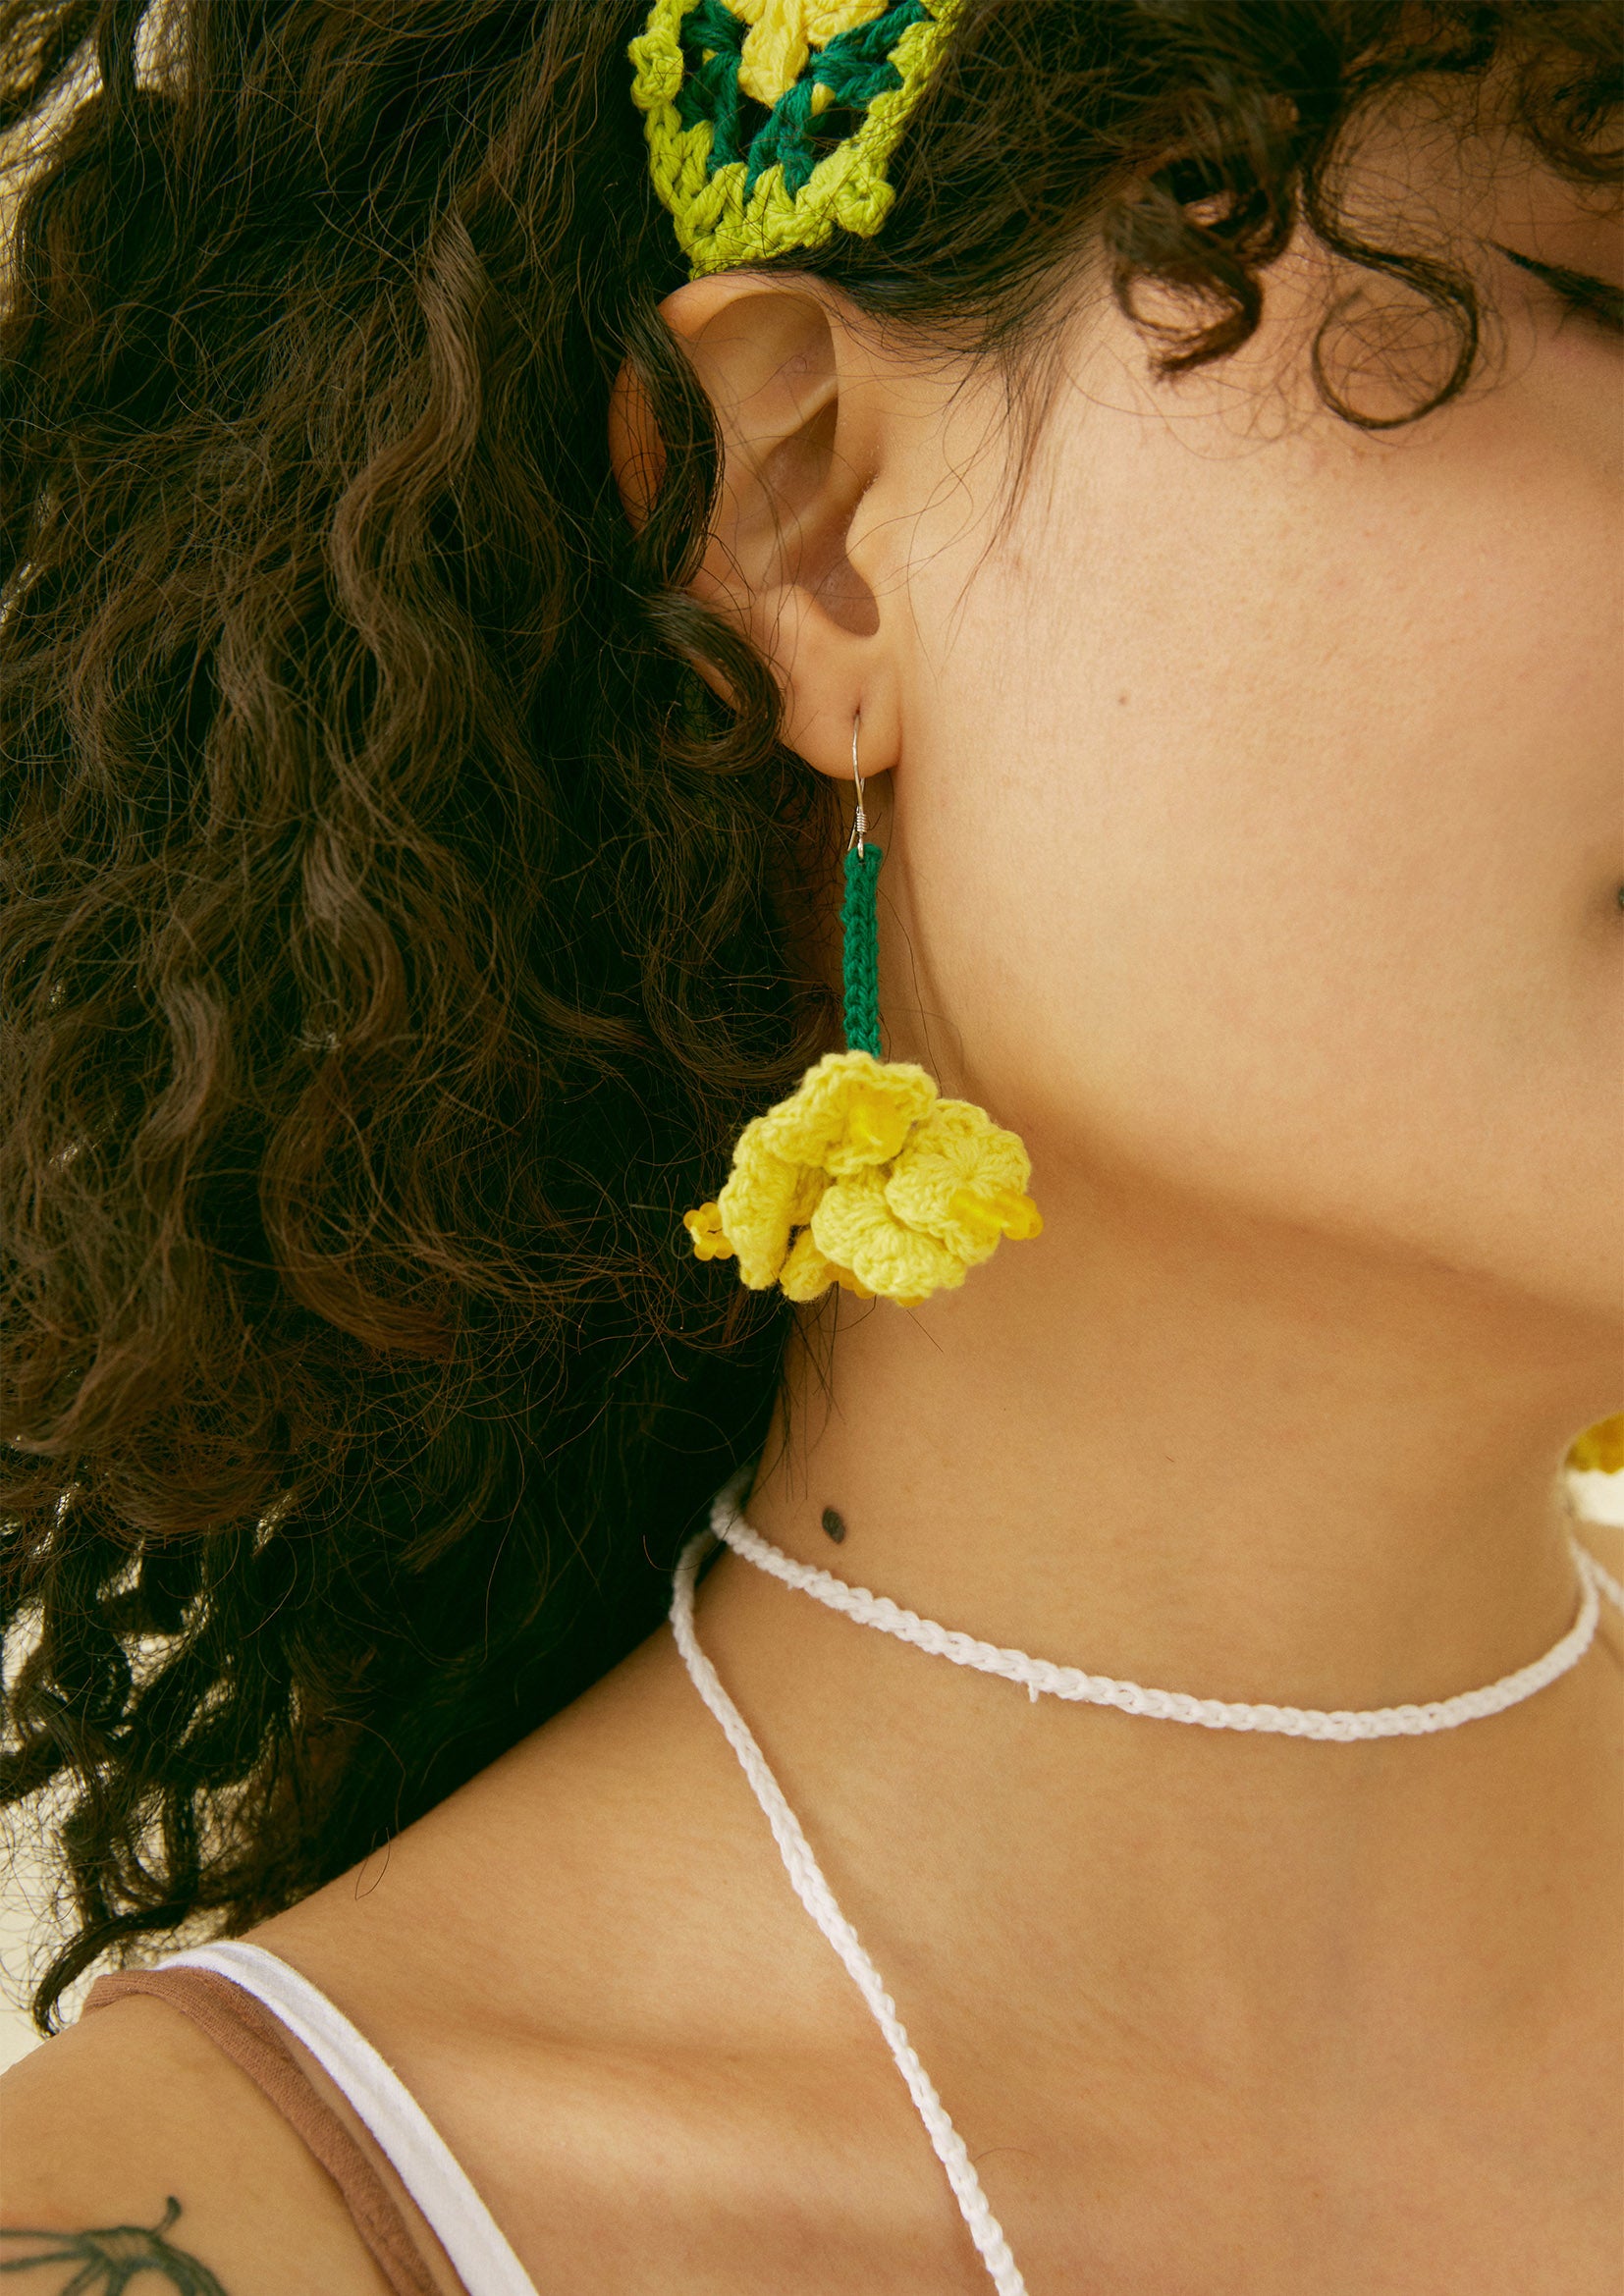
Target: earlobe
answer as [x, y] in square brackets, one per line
[792, 395]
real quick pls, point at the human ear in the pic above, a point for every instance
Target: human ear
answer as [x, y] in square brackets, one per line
[793, 385]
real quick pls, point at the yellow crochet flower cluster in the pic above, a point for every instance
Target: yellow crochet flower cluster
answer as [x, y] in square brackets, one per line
[866, 1178]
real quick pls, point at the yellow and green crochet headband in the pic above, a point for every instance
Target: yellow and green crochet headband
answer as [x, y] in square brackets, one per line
[747, 101]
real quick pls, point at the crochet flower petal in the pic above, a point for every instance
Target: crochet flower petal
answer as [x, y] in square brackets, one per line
[807, 1274]
[855, 1227]
[849, 1112]
[765, 1199]
[962, 1179]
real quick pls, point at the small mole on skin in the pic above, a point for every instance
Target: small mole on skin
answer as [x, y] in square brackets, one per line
[834, 1525]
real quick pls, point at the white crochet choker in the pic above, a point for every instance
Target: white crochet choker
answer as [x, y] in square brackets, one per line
[1039, 1679]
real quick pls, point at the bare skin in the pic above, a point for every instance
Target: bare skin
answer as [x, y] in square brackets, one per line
[660, 2077]
[1300, 980]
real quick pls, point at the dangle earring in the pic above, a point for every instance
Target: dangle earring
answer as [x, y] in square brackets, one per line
[866, 1176]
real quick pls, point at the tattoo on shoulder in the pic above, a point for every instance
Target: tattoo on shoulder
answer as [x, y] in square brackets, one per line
[106, 2262]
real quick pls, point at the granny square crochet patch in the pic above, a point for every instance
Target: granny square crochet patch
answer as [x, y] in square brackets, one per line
[770, 121]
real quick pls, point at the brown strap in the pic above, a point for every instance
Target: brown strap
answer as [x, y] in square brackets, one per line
[252, 2038]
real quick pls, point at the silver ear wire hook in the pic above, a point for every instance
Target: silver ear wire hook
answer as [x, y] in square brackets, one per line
[859, 826]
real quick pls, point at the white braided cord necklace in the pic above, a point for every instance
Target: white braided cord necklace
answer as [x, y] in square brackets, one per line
[1038, 1678]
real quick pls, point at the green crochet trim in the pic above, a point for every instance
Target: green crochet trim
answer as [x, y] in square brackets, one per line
[860, 950]
[746, 179]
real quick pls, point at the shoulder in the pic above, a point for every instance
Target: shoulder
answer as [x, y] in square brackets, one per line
[132, 2135]
[589, 1969]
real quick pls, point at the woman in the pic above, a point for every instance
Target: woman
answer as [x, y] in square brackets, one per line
[481, 487]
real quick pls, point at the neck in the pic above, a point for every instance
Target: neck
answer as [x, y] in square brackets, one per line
[1239, 1462]
[1177, 1447]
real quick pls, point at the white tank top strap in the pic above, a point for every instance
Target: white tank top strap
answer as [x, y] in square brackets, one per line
[420, 2155]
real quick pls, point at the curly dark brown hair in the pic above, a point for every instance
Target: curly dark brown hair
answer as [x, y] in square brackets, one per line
[396, 931]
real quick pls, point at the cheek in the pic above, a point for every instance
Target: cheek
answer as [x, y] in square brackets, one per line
[1269, 838]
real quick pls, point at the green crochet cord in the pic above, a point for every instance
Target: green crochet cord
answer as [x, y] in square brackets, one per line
[860, 950]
